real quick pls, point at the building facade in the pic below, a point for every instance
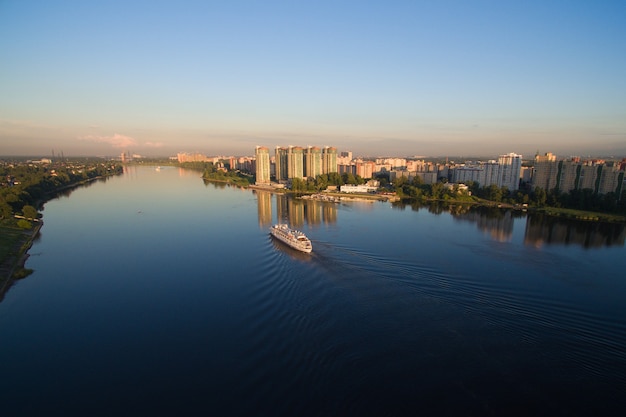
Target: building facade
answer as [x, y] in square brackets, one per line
[329, 160]
[262, 155]
[295, 162]
[573, 174]
[313, 162]
[510, 169]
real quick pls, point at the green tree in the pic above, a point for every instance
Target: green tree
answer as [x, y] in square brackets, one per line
[334, 178]
[298, 185]
[30, 212]
[5, 210]
[437, 190]
[349, 178]
[24, 224]
[417, 181]
[321, 182]
[494, 193]
[399, 182]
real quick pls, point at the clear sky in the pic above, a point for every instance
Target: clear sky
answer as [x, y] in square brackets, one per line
[395, 78]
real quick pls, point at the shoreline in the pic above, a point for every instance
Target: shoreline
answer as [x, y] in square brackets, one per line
[17, 257]
[343, 196]
[17, 261]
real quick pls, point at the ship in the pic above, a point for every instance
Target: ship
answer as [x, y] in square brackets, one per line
[293, 238]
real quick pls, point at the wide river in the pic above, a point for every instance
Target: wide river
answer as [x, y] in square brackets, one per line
[154, 293]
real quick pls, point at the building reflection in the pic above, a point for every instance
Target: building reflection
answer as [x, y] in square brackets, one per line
[497, 223]
[329, 213]
[264, 207]
[293, 211]
[547, 230]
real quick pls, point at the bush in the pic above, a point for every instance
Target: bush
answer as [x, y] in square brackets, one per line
[24, 224]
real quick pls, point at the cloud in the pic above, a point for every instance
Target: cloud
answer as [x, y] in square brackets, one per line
[154, 144]
[116, 141]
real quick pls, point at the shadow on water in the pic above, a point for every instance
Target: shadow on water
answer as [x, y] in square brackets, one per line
[289, 251]
[541, 229]
[548, 230]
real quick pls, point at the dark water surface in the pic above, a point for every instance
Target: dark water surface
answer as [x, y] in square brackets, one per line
[157, 294]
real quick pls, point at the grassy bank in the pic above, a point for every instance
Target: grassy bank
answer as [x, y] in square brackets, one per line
[14, 244]
[581, 215]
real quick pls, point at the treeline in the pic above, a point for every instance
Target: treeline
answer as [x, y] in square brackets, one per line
[321, 182]
[213, 173]
[24, 186]
[416, 189]
[584, 199]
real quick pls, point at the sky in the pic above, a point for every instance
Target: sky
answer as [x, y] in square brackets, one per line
[384, 78]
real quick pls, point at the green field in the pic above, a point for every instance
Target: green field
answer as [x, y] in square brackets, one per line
[10, 241]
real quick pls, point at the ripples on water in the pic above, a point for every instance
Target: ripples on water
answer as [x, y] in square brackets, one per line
[353, 331]
[219, 318]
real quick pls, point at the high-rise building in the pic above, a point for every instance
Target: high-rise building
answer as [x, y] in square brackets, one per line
[611, 180]
[191, 157]
[295, 162]
[365, 169]
[313, 162]
[510, 168]
[492, 173]
[598, 176]
[545, 171]
[282, 162]
[567, 175]
[262, 165]
[329, 160]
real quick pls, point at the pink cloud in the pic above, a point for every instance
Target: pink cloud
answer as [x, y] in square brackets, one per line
[154, 144]
[117, 140]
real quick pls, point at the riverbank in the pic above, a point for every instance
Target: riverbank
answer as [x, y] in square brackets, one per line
[15, 245]
[341, 196]
[589, 216]
[15, 241]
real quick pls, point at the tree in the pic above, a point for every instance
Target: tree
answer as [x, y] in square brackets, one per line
[436, 190]
[398, 182]
[24, 224]
[30, 212]
[298, 185]
[321, 182]
[349, 178]
[334, 178]
[5, 210]
[494, 193]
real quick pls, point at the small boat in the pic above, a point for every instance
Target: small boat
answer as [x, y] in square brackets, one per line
[293, 238]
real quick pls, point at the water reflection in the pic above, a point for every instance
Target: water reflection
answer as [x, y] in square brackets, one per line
[497, 223]
[542, 229]
[264, 207]
[293, 211]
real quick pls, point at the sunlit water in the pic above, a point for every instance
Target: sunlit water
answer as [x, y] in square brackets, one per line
[157, 294]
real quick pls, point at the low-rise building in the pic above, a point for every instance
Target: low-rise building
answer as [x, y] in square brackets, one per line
[358, 188]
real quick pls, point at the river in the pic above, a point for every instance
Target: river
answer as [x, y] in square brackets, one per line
[155, 293]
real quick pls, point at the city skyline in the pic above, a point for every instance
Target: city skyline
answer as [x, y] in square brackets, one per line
[389, 79]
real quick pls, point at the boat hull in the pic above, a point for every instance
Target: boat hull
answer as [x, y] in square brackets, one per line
[292, 238]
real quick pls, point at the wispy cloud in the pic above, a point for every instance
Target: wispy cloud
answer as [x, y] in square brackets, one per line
[154, 144]
[116, 141]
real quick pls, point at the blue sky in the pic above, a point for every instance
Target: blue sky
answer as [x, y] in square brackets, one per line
[394, 78]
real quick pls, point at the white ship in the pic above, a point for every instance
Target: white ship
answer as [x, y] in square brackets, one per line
[293, 238]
